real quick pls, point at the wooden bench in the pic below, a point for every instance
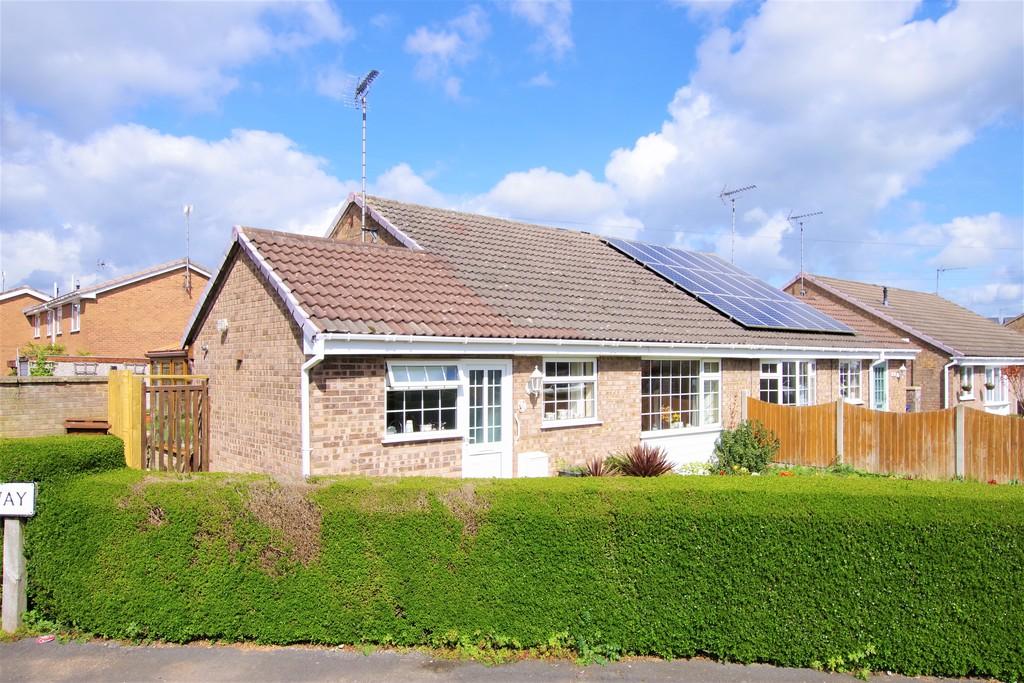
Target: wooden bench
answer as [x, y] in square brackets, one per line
[74, 425]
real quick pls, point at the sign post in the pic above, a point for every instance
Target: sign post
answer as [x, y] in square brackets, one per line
[17, 501]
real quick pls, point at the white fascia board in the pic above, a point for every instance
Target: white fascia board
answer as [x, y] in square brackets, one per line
[343, 344]
[988, 360]
[18, 291]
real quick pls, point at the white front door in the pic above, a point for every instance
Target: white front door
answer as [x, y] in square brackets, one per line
[488, 448]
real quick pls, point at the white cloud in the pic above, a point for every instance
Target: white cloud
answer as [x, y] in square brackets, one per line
[541, 195]
[552, 18]
[976, 240]
[402, 183]
[442, 49]
[83, 60]
[541, 80]
[383, 21]
[122, 188]
[335, 83]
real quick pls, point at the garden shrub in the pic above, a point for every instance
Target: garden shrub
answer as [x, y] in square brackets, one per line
[642, 460]
[750, 446]
[909, 576]
[47, 458]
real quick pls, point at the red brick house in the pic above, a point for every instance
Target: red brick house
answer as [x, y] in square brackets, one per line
[15, 328]
[962, 354]
[122, 318]
[1016, 324]
[458, 344]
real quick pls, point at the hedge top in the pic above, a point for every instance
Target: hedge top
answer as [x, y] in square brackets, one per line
[48, 458]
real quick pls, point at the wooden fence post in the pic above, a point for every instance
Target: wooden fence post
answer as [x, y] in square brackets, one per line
[958, 465]
[840, 430]
[744, 395]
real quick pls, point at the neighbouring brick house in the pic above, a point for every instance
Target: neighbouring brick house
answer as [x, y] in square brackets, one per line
[961, 354]
[1016, 324]
[15, 328]
[459, 344]
[118, 320]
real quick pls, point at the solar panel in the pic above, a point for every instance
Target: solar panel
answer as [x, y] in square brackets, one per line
[734, 293]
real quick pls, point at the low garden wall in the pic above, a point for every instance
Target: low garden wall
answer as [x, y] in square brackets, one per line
[908, 576]
[38, 406]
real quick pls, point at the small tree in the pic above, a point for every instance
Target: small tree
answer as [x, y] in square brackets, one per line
[1015, 376]
[37, 353]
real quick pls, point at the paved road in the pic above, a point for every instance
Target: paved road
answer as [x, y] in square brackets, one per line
[26, 660]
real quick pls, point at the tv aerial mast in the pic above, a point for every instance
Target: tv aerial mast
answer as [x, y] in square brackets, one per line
[938, 271]
[731, 196]
[800, 222]
[358, 101]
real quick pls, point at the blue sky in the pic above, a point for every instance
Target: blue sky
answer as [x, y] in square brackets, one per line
[902, 122]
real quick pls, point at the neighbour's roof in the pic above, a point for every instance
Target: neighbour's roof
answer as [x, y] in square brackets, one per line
[121, 281]
[938, 321]
[474, 276]
[23, 290]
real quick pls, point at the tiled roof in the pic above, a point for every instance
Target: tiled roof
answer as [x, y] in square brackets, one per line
[932, 318]
[530, 280]
[120, 281]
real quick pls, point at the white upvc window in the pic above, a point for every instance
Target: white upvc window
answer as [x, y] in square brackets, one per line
[994, 379]
[76, 317]
[35, 326]
[570, 391]
[680, 394]
[49, 322]
[788, 382]
[966, 381]
[849, 380]
[422, 400]
[57, 318]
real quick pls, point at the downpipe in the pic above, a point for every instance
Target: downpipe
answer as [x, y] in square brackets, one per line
[945, 383]
[304, 402]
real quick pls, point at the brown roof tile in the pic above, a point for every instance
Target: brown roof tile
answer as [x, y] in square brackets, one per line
[569, 284]
[963, 331]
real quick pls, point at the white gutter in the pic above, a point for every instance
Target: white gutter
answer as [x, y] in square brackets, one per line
[304, 409]
[945, 382]
[525, 346]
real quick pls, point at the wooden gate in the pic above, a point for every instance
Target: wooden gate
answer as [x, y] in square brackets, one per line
[175, 424]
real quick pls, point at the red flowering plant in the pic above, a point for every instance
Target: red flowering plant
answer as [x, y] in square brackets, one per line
[1015, 376]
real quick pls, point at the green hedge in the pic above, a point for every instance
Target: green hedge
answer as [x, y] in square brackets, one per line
[48, 458]
[783, 570]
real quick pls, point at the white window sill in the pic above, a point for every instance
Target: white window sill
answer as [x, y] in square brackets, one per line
[854, 401]
[996, 404]
[666, 433]
[578, 422]
[421, 436]
[966, 397]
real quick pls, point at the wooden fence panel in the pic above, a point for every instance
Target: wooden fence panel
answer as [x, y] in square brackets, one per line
[918, 444]
[806, 433]
[176, 436]
[124, 406]
[993, 447]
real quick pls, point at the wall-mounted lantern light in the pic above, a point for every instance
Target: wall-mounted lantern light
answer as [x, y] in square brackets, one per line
[533, 386]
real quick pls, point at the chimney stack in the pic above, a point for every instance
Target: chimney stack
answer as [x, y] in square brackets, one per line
[885, 296]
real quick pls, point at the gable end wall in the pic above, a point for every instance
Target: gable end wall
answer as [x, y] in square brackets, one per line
[254, 371]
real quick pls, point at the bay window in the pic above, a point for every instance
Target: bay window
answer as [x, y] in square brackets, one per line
[789, 382]
[570, 390]
[849, 380]
[676, 394]
[422, 398]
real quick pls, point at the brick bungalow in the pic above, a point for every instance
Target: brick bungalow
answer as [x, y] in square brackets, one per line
[961, 353]
[117, 320]
[458, 344]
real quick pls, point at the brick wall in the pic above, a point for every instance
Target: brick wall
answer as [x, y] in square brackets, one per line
[15, 327]
[349, 228]
[254, 370]
[1017, 324]
[38, 406]
[148, 315]
[618, 408]
[347, 398]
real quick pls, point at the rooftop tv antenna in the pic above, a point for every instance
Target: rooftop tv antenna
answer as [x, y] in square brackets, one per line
[800, 221]
[943, 270]
[362, 89]
[731, 196]
[187, 210]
